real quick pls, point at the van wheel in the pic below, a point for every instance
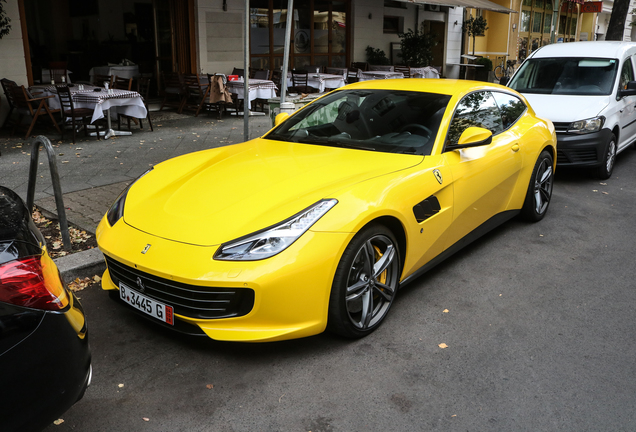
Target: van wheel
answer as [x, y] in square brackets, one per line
[605, 170]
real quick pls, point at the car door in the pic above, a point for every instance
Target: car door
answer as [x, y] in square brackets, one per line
[626, 106]
[484, 176]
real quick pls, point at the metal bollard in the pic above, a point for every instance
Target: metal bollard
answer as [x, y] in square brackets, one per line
[55, 179]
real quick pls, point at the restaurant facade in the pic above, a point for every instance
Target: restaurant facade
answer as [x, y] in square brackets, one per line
[206, 36]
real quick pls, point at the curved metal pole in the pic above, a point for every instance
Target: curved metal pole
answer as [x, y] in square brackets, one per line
[55, 179]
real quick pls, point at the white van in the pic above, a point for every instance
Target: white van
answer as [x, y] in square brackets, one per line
[588, 91]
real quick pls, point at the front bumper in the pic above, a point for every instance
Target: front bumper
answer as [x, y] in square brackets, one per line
[290, 291]
[585, 150]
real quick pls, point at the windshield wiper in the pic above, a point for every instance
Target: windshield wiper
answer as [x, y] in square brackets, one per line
[331, 141]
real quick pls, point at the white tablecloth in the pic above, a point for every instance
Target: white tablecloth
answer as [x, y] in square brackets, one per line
[323, 81]
[374, 75]
[121, 101]
[259, 89]
[120, 71]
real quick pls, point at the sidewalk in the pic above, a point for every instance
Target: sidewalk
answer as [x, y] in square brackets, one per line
[93, 173]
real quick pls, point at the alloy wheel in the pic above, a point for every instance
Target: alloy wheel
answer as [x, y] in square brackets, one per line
[372, 282]
[543, 186]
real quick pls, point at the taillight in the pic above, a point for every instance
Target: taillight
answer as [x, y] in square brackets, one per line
[32, 282]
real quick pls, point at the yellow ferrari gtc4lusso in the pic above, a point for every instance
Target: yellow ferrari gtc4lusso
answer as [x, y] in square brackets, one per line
[317, 224]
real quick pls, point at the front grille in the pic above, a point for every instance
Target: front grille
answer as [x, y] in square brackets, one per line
[582, 155]
[193, 301]
[561, 127]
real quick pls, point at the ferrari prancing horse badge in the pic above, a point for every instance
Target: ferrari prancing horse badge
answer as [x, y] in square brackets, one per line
[438, 175]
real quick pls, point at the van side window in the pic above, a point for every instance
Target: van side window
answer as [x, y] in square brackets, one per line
[511, 108]
[627, 73]
[476, 109]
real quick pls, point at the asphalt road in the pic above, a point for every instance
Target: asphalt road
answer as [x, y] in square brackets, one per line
[539, 331]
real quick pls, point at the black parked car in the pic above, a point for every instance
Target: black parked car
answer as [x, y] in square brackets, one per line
[45, 361]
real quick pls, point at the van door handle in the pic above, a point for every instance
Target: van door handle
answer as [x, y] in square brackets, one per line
[515, 147]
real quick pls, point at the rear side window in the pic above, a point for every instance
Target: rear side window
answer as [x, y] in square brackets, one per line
[627, 73]
[566, 76]
[511, 108]
[477, 109]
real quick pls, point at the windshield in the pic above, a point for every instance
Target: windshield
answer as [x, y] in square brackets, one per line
[376, 120]
[566, 76]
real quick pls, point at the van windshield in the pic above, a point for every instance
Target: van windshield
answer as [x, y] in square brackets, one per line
[566, 76]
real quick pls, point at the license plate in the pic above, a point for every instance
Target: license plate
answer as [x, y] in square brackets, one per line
[147, 305]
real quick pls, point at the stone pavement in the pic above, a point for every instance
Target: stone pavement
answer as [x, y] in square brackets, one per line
[93, 172]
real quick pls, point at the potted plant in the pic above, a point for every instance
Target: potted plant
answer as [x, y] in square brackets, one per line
[483, 73]
[375, 56]
[474, 27]
[417, 47]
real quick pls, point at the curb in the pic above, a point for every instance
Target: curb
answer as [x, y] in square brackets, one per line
[83, 264]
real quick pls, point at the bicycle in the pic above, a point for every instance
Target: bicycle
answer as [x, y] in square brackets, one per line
[501, 72]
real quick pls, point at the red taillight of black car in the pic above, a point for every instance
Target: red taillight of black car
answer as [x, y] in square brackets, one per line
[33, 282]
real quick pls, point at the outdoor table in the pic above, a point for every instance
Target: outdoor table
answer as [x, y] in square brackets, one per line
[258, 89]
[387, 68]
[118, 70]
[373, 75]
[125, 102]
[465, 66]
[321, 81]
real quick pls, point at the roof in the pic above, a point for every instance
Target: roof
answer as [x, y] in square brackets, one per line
[601, 49]
[429, 85]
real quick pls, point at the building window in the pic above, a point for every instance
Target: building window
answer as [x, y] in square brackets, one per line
[393, 24]
[394, 4]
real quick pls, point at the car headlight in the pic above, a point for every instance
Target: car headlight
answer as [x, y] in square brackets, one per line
[587, 126]
[116, 211]
[275, 239]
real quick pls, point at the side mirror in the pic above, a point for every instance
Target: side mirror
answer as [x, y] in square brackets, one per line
[472, 137]
[629, 91]
[280, 118]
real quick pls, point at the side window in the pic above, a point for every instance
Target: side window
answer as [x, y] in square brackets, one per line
[476, 109]
[627, 73]
[511, 108]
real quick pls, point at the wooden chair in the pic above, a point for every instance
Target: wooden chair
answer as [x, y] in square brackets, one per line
[313, 69]
[121, 83]
[363, 66]
[27, 105]
[99, 80]
[299, 82]
[58, 69]
[195, 92]
[261, 74]
[216, 96]
[143, 88]
[337, 71]
[70, 113]
[172, 89]
[7, 85]
[404, 69]
[352, 75]
[239, 72]
[277, 79]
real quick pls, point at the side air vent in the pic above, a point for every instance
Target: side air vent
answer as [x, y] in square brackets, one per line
[427, 208]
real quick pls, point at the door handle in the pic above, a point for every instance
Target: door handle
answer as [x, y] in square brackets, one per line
[515, 147]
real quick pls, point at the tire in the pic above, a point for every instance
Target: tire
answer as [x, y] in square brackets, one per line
[499, 72]
[540, 189]
[361, 296]
[604, 171]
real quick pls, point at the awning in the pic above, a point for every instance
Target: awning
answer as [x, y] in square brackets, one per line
[475, 4]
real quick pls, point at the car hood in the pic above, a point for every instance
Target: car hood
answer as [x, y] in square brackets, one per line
[214, 196]
[562, 108]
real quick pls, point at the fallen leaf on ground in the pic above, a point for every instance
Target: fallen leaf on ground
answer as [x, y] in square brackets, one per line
[209, 386]
[79, 284]
[445, 310]
[97, 278]
[58, 422]
[120, 385]
[443, 345]
[146, 419]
